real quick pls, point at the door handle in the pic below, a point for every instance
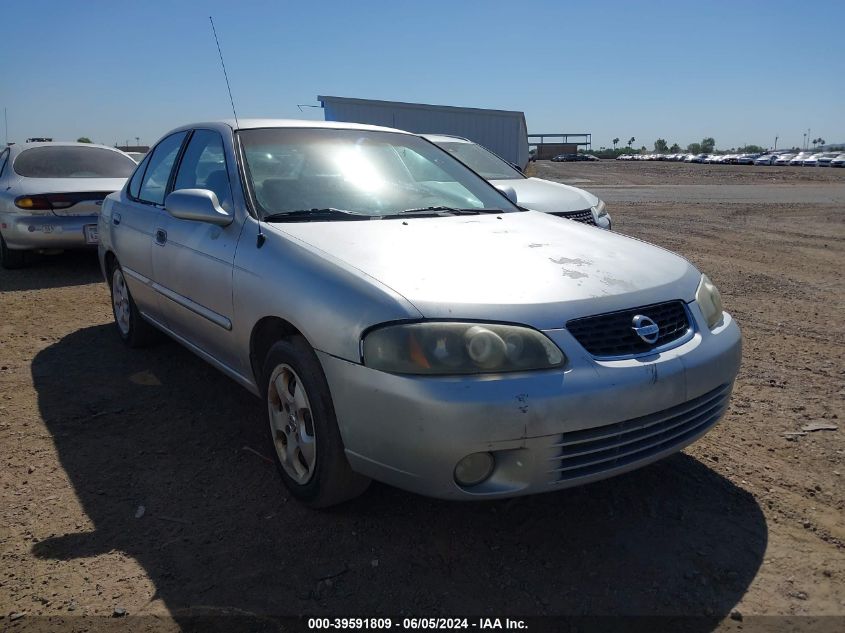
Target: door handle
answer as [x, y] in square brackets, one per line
[115, 219]
[161, 237]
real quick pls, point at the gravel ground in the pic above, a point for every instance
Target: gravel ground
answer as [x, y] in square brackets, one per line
[136, 481]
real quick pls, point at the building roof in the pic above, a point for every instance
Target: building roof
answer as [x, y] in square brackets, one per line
[417, 106]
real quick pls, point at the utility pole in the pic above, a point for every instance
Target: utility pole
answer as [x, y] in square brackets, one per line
[776, 142]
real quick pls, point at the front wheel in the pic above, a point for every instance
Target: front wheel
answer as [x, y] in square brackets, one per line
[303, 427]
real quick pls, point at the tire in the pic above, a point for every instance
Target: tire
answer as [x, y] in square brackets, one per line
[131, 326]
[11, 259]
[303, 428]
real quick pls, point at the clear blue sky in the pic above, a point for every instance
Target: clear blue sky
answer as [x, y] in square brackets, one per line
[741, 72]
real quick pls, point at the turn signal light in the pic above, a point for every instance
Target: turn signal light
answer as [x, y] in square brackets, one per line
[33, 203]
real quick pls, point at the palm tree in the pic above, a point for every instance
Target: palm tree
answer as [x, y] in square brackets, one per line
[631, 141]
[615, 141]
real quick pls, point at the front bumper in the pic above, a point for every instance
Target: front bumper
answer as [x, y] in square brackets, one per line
[32, 232]
[547, 430]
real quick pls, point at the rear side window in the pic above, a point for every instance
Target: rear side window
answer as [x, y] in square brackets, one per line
[67, 161]
[135, 183]
[3, 158]
[204, 167]
[157, 175]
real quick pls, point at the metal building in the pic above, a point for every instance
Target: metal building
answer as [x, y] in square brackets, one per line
[501, 131]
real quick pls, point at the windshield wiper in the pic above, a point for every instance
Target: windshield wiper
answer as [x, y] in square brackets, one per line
[315, 215]
[439, 211]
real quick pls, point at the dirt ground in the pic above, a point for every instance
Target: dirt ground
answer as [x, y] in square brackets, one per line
[131, 480]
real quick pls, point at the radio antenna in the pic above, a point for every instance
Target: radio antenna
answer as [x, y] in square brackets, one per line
[225, 75]
[259, 239]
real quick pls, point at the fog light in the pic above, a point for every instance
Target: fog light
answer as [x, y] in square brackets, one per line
[473, 469]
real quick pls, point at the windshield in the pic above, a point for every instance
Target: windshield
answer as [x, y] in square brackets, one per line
[367, 173]
[68, 161]
[481, 161]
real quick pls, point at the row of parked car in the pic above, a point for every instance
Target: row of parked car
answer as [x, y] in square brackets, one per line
[394, 303]
[805, 159]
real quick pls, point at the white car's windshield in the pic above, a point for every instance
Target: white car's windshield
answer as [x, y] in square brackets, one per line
[481, 161]
[340, 174]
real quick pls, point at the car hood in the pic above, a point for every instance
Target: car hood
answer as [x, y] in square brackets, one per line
[547, 196]
[524, 267]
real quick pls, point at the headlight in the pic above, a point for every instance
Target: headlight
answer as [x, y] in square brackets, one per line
[710, 301]
[600, 210]
[458, 348]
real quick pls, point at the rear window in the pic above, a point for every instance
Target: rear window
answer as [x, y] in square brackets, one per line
[73, 162]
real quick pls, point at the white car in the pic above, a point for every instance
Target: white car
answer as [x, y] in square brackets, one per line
[839, 161]
[784, 159]
[531, 193]
[51, 194]
[812, 161]
[825, 159]
[800, 158]
[766, 159]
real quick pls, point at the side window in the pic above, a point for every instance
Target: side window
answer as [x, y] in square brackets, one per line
[3, 158]
[157, 175]
[135, 183]
[204, 167]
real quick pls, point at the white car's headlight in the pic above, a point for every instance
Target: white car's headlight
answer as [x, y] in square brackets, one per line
[600, 210]
[458, 348]
[710, 301]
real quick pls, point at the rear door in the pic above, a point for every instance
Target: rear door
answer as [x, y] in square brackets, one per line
[135, 219]
[193, 261]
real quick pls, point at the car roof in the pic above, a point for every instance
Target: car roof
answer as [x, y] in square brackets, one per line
[446, 138]
[254, 124]
[17, 148]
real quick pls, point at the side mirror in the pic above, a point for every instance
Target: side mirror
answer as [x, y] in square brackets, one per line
[199, 205]
[510, 193]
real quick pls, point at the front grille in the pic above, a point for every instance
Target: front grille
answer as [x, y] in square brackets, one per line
[592, 451]
[585, 216]
[611, 334]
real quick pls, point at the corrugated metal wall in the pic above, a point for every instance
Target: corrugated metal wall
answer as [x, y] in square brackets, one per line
[501, 131]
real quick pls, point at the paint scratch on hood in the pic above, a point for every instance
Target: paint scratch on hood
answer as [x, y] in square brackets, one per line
[567, 260]
[573, 274]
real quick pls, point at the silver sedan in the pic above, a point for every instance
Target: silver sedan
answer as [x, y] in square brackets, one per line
[50, 196]
[405, 321]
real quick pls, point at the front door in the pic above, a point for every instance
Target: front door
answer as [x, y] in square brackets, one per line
[193, 261]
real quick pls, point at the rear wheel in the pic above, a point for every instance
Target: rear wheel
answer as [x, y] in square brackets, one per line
[303, 427]
[9, 258]
[133, 330]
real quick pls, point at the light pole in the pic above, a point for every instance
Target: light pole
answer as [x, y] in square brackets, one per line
[776, 142]
[137, 140]
[804, 146]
